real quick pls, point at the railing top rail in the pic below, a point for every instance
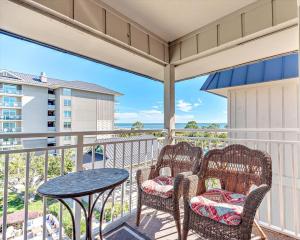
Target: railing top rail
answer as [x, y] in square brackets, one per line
[79, 133]
[267, 130]
[257, 140]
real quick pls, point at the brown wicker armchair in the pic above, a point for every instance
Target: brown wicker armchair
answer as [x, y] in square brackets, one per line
[183, 160]
[240, 170]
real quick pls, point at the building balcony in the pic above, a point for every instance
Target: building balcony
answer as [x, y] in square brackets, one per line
[9, 142]
[11, 130]
[11, 92]
[51, 140]
[51, 96]
[11, 117]
[51, 118]
[10, 104]
[51, 129]
[51, 107]
[141, 150]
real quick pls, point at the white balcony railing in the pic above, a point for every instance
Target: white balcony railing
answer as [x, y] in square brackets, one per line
[11, 130]
[51, 118]
[51, 107]
[11, 117]
[51, 129]
[280, 209]
[11, 104]
[51, 96]
[122, 149]
[10, 91]
[132, 150]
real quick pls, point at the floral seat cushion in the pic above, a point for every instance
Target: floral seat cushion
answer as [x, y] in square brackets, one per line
[219, 205]
[161, 186]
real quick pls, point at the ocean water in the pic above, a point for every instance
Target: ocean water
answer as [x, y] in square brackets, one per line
[161, 125]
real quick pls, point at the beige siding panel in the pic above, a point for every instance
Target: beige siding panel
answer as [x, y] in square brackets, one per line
[189, 47]
[284, 10]
[230, 29]
[157, 49]
[175, 53]
[117, 28]
[258, 18]
[207, 39]
[139, 39]
[90, 13]
[64, 7]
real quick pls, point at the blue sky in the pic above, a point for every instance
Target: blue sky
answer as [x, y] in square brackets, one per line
[143, 98]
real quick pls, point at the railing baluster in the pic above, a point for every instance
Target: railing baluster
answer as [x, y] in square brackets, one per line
[152, 152]
[280, 192]
[79, 158]
[122, 190]
[294, 187]
[146, 153]
[26, 197]
[93, 156]
[5, 196]
[130, 176]
[45, 199]
[62, 167]
[113, 193]
[139, 153]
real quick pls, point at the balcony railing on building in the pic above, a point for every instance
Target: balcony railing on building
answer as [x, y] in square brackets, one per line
[9, 142]
[133, 150]
[11, 117]
[11, 104]
[11, 91]
[11, 130]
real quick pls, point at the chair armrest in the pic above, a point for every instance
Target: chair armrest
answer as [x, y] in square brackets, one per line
[144, 174]
[253, 200]
[190, 186]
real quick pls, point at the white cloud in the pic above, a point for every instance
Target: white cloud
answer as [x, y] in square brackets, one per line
[155, 107]
[198, 103]
[184, 106]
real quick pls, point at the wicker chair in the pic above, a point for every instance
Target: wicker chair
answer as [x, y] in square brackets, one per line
[239, 170]
[183, 160]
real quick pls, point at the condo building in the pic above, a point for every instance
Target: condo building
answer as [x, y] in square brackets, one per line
[33, 104]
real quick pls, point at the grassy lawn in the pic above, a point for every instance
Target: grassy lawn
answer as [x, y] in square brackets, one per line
[16, 203]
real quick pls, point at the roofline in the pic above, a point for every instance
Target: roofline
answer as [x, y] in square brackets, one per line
[56, 86]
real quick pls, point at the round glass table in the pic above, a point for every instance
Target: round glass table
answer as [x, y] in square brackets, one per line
[84, 183]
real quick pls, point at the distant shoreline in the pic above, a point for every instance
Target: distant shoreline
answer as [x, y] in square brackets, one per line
[161, 125]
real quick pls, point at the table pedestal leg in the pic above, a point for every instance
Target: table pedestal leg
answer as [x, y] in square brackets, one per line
[88, 214]
[72, 217]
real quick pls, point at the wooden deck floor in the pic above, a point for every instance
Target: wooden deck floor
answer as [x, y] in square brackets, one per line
[159, 225]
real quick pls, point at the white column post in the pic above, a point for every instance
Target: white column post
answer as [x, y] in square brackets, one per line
[169, 100]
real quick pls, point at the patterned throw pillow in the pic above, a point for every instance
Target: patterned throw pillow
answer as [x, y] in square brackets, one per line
[219, 205]
[161, 186]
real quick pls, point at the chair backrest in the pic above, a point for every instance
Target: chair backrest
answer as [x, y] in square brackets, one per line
[181, 157]
[237, 167]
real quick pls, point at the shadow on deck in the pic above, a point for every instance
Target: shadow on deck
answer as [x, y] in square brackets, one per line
[160, 225]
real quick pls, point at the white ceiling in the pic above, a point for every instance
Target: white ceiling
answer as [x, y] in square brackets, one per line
[171, 19]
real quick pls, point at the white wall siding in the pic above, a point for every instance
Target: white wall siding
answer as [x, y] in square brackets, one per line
[35, 109]
[272, 105]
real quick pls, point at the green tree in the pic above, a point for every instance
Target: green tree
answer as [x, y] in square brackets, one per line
[213, 126]
[191, 125]
[137, 125]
